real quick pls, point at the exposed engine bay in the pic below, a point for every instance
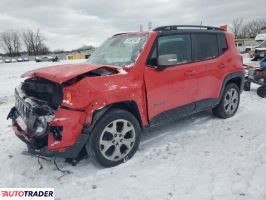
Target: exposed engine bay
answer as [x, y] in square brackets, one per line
[36, 102]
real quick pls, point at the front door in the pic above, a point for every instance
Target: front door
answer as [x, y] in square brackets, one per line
[174, 86]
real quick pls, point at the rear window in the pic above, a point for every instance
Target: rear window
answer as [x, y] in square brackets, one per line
[205, 46]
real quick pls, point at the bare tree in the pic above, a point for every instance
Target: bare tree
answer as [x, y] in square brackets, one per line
[6, 42]
[247, 30]
[237, 27]
[11, 42]
[252, 28]
[16, 43]
[34, 42]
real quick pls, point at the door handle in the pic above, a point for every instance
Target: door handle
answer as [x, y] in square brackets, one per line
[190, 73]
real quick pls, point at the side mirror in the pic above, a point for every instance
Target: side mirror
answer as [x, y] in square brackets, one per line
[167, 60]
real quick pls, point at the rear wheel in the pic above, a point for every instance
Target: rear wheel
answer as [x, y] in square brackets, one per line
[115, 138]
[229, 102]
[262, 91]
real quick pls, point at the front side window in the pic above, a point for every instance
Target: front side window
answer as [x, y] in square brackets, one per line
[205, 46]
[178, 45]
[119, 50]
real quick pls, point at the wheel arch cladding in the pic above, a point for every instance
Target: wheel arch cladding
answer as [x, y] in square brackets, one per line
[129, 106]
[237, 78]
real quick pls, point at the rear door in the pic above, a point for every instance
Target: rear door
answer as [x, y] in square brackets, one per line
[174, 86]
[209, 64]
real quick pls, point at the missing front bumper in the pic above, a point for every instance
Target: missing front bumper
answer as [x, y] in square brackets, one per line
[74, 135]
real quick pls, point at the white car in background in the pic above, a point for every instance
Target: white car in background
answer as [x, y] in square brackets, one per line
[262, 35]
[7, 60]
[20, 59]
[14, 60]
[249, 45]
[25, 59]
[260, 51]
[245, 46]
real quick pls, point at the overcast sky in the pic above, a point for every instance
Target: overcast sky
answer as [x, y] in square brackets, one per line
[68, 24]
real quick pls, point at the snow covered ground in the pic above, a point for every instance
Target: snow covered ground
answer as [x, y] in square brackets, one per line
[197, 158]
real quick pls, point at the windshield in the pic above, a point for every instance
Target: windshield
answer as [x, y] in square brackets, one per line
[119, 50]
[262, 45]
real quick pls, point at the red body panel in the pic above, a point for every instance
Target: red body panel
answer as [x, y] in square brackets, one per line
[72, 123]
[170, 88]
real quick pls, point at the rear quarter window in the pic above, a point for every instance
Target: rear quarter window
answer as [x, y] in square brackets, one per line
[222, 43]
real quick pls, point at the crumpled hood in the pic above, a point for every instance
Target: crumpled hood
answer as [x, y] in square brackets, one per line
[61, 73]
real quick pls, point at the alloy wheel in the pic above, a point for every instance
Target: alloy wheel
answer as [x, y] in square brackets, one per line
[117, 139]
[231, 100]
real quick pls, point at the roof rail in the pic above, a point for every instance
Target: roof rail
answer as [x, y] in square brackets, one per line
[178, 27]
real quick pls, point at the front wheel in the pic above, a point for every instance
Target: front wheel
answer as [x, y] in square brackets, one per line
[229, 102]
[115, 138]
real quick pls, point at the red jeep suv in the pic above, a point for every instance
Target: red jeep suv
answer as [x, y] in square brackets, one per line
[132, 81]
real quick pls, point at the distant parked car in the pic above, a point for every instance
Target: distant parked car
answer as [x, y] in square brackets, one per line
[251, 45]
[14, 60]
[7, 60]
[47, 59]
[20, 59]
[260, 51]
[245, 46]
[240, 46]
[251, 50]
[44, 59]
[26, 59]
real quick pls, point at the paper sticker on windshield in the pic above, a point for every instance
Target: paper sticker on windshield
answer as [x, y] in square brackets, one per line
[132, 40]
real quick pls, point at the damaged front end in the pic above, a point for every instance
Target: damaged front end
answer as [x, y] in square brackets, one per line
[39, 120]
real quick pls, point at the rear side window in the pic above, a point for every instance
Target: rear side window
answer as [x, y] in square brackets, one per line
[205, 46]
[223, 43]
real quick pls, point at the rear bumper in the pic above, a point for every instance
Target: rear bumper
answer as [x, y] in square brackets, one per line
[73, 137]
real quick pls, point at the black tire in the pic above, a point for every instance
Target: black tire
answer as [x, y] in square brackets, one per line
[220, 110]
[254, 59]
[261, 91]
[247, 86]
[98, 132]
